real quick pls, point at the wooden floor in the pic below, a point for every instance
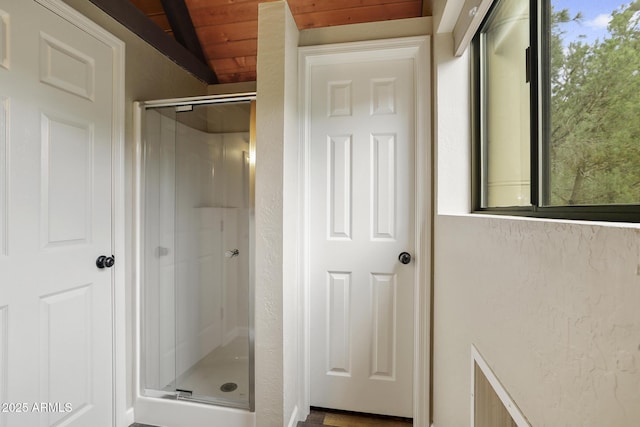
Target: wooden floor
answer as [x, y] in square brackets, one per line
[327, 417]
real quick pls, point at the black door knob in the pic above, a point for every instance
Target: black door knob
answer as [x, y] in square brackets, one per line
[105, 261]
[405, 257]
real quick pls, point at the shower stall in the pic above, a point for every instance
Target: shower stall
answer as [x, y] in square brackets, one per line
[195, 229]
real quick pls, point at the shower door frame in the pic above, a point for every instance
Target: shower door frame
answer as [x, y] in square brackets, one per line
[139, 109]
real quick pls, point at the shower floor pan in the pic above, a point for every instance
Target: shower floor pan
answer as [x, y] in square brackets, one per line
[222, 376]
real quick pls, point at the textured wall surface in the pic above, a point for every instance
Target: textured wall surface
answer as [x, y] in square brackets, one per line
[553, 308]
[276, 339]
[291, 316]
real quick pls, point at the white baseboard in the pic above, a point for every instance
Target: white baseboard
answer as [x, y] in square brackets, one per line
[293, 421]
[129, 417]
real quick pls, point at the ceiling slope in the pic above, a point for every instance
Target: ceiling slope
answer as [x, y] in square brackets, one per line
[223, 33]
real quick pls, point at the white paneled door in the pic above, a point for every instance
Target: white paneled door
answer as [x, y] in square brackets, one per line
[56, 329]
[361, 216]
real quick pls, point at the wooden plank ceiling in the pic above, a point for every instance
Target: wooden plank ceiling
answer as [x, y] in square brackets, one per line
[227, 29]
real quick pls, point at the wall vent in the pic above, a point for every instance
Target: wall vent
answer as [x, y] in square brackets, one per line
[491, 405]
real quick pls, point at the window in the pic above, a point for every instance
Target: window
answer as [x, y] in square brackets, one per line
[557, 109]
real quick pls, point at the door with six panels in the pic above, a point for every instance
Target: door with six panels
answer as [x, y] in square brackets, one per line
[56, 333]
[362, 138]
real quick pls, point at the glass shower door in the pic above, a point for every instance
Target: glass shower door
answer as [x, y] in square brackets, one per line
[197, 245]
[159, 241]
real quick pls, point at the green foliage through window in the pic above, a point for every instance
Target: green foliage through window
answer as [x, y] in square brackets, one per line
[582, 94]
[594, 128]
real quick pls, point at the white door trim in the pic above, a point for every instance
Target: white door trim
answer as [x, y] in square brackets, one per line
[418, 49]
[118, 200]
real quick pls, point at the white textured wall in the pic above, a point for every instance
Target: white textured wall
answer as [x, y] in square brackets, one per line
[276, 335]
[366, 31]
[553, 306]
[292, 345]
[451, 127]
[445, 14]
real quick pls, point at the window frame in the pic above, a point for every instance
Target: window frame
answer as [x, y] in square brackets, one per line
[539, 133]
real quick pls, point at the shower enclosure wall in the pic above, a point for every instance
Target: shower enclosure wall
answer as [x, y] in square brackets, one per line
[196, 245]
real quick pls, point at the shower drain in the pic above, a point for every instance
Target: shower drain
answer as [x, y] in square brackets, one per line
[227, 387]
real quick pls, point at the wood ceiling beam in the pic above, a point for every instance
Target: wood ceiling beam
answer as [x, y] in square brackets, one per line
[182, 26]
[131, 17]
